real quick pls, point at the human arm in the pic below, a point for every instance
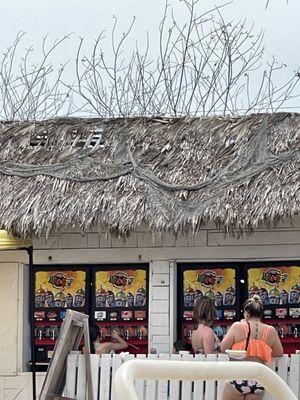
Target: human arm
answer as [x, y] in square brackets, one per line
[119, 343]
[103, 348]
[107, 347]
[229, 338]
[276, 346]
[194, 341]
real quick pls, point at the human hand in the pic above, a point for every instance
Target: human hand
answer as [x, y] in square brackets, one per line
[115, 335]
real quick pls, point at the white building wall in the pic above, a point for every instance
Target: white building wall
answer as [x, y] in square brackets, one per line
[161, 252]
[9, 300]
[160, 306]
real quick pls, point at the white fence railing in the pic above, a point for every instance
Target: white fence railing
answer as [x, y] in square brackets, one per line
[124, 380]
[104, 369]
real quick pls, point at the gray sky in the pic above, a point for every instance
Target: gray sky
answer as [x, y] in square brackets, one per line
[88, 18]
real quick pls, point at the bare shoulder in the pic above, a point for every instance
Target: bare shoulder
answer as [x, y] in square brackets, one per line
[203, 331]
[202, 328]
[271, 330]
[237, 326]
[207, 330]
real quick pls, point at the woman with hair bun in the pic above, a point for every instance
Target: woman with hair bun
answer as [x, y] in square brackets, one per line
[261, 342]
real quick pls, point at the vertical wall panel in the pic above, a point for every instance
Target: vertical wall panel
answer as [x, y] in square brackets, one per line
[9, 300]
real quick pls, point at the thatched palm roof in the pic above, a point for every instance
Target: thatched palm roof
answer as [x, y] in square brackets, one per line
[171, 174]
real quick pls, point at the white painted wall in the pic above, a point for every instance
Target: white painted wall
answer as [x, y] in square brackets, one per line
[161, 252]
[9, 300]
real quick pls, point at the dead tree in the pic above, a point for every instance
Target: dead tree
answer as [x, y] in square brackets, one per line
[32, 90]
[206, 66]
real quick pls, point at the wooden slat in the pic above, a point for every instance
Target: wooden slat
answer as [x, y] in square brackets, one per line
[199, 385]
[95, 370]
[174, 385]
[116, 363]
[273, 366]
[280, 366]
[72, 366]
[210, 386]
[151, 385]
[162, 386]
[81, 378]
[105, 363]
[294, 376]
[127, 356]
[86, 336]
[186, 387]
[221, 384]
[283, 367]
[140, 383]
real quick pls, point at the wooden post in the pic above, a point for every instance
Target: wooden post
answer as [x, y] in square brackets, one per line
[86, 335]
[74, 328]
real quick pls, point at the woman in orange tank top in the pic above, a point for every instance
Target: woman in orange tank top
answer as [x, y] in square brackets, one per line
[261, 342]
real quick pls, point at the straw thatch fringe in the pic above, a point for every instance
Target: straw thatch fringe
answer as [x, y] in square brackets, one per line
[172, 174]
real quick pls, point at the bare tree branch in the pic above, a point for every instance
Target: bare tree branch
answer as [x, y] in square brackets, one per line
[205, 66]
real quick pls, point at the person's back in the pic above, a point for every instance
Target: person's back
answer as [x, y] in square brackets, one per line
[261, 343]
[263, 340]
[204, 339]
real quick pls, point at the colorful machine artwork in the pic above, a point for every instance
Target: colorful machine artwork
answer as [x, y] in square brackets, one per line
[217, 283]
[126, 288]
[275, 285]
[60, 289]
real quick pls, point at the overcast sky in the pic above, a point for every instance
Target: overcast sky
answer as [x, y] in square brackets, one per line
[88, 18]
